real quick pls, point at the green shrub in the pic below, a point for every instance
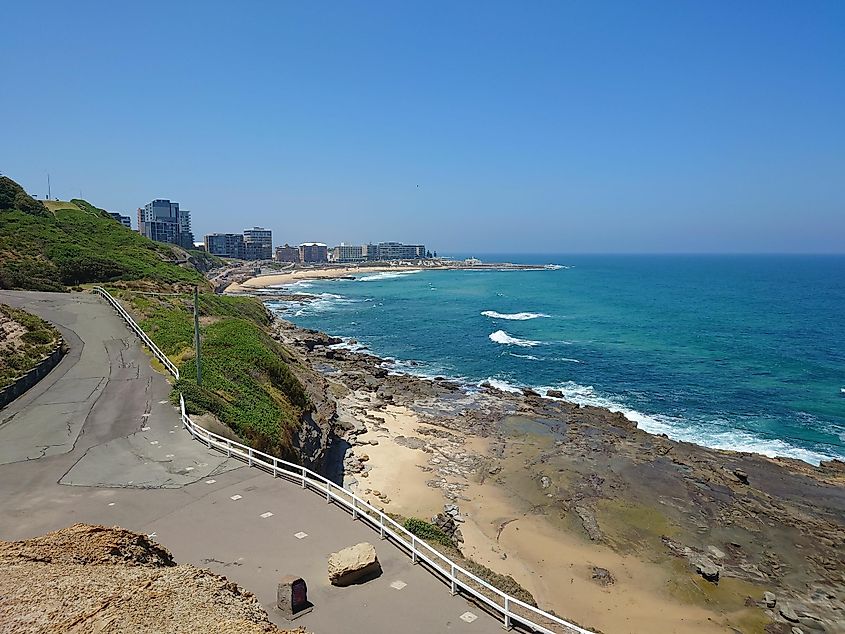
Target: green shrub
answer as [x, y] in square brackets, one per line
[425, 530]
[246, 382]
[34, 344]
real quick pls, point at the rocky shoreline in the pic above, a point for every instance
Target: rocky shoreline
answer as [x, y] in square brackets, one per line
[648, 534]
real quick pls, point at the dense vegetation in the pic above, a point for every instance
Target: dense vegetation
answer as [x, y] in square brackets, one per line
[77, 243]
[246, 380]
[24, 340]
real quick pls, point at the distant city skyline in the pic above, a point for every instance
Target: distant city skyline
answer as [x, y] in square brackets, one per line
[544, 127]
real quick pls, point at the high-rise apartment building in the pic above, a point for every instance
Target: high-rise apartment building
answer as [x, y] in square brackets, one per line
[393, 251]
[258, 244]
[347, 253]
[287, 253]
[162, 220]
[126, 221]
[313, 252]
[227, 245]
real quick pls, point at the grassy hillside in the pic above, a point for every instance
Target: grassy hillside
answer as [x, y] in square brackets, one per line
[246, 381]
[50, 247]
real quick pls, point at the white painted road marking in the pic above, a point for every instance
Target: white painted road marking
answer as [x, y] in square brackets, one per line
[469, 617]
[210, 481]
[301, 535]
[266, 515]
[235, 497]
[398, 585]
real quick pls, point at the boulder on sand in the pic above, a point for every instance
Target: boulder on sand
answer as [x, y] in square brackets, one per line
[353, 564]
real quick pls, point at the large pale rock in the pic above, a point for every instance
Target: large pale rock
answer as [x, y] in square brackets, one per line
[351, 564]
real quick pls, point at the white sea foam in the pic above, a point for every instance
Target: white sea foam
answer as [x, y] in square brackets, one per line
[501, 384]
[293, 285]
[500, 336]
[385, 275]
[513, 316]
[715, 436]
[525, 356]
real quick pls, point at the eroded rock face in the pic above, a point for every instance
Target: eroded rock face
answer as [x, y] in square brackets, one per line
[98, 579]
[352, 564]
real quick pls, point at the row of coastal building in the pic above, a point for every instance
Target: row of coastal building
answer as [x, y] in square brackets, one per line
[163, 220]
[351, 253]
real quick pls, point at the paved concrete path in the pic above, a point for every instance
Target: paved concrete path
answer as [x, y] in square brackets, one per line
[97, 441]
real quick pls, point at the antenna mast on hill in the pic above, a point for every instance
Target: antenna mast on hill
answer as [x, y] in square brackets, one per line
[48, 186]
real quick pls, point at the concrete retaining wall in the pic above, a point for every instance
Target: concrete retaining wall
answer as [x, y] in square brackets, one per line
[26, 381]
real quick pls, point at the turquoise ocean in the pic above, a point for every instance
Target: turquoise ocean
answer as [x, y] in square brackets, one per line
[733, 352]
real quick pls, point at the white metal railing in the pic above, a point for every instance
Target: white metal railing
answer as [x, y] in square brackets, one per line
[512, 611]
[138, 331]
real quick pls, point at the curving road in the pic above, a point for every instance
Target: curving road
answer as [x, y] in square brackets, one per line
[97, 441]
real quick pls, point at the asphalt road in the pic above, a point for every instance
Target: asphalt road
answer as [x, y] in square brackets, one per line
[98, 441]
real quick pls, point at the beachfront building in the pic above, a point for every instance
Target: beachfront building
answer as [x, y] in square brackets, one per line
[347, 253]
[393, 251]
[162, 220]
[286, 253]
[227, 245]
[313, 252]
[258, 244]
[126, 221]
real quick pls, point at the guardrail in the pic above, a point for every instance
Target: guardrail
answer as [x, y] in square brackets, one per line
[138, 331]
[512, 611]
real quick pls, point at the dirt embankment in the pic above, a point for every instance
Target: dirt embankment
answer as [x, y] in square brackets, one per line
[96, 579]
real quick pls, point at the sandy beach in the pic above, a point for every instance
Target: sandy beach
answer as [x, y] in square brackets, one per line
[555, 566]
[242, 283]
[605, 524]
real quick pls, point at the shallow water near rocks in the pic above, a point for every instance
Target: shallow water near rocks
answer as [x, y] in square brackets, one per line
[733, 352]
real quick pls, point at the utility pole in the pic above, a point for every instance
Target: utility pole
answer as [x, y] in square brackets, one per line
[48, 186]
[197, 333]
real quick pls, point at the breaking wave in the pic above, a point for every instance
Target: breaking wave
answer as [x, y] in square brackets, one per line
[513, 316]
[385, 275]
[500, 336]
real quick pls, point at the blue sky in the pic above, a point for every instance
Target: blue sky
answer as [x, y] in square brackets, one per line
[470, 126]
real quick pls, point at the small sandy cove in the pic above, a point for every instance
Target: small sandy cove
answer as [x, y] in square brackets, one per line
[553, 564]
[299, 275]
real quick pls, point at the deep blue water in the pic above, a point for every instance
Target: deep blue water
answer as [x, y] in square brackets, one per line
[737, 352]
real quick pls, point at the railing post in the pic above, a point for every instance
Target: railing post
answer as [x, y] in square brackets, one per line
[303, 477]
[249, 455]
[507, 624]
[328, 497]
[275, 467]
[228, 448]
[354, 510]
[454, 589]
[381, 525]
[413, 549]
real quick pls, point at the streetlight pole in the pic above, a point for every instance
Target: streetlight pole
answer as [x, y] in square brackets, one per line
[197, 334]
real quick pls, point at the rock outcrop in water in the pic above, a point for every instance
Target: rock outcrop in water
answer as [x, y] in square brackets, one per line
[739, 522]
